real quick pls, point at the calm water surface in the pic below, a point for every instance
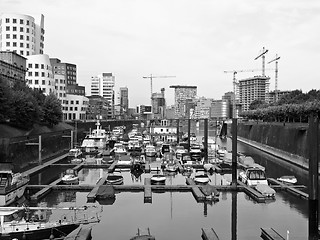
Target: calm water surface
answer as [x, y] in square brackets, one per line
[177, 215]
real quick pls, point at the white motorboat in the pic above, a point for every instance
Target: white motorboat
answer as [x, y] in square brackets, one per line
[12, 185]
[158, 179]
[288, 179]
[75, 152]
[119, 149]
[96, 140]
[150, 151]
[201, 178]
[70, 177]
[114, 179]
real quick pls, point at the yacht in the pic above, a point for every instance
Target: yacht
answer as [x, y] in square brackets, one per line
[96, 140]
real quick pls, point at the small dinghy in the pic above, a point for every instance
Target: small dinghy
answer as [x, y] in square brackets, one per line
[288, 179]
[266, 191]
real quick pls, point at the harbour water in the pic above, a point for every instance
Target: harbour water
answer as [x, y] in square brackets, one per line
[177, 215]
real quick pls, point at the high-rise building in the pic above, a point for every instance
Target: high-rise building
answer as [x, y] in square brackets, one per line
[202, 108]
[102, 85]
[124, 100]
[220, 109]
[255, 88]
[159, 104]
[181, 95]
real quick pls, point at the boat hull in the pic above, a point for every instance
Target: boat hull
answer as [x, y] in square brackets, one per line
[9, 196]
[39, 234]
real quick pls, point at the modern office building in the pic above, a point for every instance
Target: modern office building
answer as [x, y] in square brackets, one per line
[70, 73]
[254, 88]
[159, 104]
[74, 106]
[124, 100]
[183, 95]
[12, 67]
[202, 108]
[102, 85]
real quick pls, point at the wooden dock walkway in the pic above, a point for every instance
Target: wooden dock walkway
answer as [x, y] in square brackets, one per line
[80, 233]
[44, 191]
[112, 166]
[197, 193]
[147, 190]
[209, 234]
[91, 197]
[252, 192]
[289, 188]
[44, 165]
[270, 234]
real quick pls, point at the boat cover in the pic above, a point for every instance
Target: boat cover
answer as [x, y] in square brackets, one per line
[105, 191]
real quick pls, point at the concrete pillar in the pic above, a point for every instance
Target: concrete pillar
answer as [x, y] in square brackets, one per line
[205, 143]
[189, 128]
[178, 132]
[313, 152]
[234, 152]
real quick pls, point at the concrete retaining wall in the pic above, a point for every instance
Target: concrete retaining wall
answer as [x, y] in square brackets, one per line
[288, 142]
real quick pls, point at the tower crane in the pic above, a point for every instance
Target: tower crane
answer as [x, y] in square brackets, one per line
[151, 77]
[276, 75]
[262, 55]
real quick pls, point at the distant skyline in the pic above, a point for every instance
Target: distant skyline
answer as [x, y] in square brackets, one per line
[196, 41]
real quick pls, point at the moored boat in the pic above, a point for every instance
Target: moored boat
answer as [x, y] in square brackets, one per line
[22, 223]
[75, 152]
[150, 151]
[288, 179]
[201, 178]
[70, 177]
[158, 179]
[96, 140]
[12, 185]
[114, 179]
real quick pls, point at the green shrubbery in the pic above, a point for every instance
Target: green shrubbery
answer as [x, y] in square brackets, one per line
[293, 107]
[21, 106]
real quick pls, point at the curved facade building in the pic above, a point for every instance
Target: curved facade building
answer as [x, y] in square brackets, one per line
[22, 34]
[40, 73]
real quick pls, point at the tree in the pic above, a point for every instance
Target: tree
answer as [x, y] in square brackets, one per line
[52, 110]
[255, 104]
[24, 110]
[5, 96]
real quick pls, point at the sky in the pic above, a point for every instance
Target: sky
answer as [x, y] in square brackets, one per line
[195, 41]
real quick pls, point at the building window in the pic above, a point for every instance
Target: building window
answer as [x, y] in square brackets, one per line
[21, 21]
[44, 90]
[14, 36]
[30, 81]
[21, 52]
[27, 45]
[21, 29]
[27, 30]
[30, 74]
[71, 101]
[14, 44]
[36, 65]
[71, 108]
[7, 28]
[36, 74]
[76, 108]
[77, 102]
[30, 65]
[36, 81]
[43, 82]
[21, 37]
[27, 38]
[42, 66]
[14, 29]
[28, 22]
[8, 36]
[28, 53]
[21, 45]
[14, 20]
[7, 20]
[42, 74]
[8, 44]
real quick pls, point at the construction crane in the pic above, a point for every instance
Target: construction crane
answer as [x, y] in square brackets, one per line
[276, 76]
[151, 77]
[262, 55]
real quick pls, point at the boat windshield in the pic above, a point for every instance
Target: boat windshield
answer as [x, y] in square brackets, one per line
[257, 175]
